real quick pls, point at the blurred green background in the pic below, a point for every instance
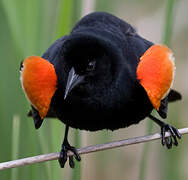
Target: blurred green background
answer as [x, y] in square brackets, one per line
[28, 27]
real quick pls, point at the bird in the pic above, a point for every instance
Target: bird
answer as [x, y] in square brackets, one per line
[103, 75]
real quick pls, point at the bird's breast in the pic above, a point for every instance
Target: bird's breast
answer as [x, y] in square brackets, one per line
[92, 115]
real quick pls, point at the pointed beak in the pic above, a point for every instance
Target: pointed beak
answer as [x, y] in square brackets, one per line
[73, 80]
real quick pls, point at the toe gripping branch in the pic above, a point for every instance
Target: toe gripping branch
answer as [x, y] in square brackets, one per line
[63, 153]
[174, 133]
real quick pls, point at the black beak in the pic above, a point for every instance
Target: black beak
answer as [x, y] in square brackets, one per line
[73, 80]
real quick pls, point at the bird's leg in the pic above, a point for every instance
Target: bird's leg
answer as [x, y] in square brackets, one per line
[174, 133]
[64, 149]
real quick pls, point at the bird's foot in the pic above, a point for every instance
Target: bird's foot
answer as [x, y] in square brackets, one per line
[172, 139]
[63, 155]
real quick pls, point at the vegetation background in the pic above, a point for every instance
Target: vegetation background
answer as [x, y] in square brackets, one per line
[28, 27]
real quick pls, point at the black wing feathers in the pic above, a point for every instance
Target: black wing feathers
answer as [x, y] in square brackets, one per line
[172, 96]
[36, 117]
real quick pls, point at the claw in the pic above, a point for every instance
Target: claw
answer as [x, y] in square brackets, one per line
[168, 142]
[172, 139]
[71, 162]
[175, 141]
[76, 155]
[63, 155]
[174, 133]
[163, 141]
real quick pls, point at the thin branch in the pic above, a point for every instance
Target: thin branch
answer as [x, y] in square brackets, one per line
[85, 150]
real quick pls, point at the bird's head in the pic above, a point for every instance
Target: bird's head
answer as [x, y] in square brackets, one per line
[92, 70]
[39, 82]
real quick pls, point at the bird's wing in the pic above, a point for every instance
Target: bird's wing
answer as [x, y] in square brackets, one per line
[155, 73]
[52, 54]
[54, 50]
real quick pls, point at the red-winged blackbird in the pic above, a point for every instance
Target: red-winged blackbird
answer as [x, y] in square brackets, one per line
[103, 75]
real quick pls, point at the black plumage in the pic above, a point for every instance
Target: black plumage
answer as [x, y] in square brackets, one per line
[112, 94]
[105, 51]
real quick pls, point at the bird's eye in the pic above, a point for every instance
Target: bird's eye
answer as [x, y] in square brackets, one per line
[91, 66]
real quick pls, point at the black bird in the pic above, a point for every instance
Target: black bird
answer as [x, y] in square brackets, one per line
[103, 75]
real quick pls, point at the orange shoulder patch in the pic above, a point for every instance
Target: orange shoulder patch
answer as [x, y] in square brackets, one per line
[39, 81]
[156, 73]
